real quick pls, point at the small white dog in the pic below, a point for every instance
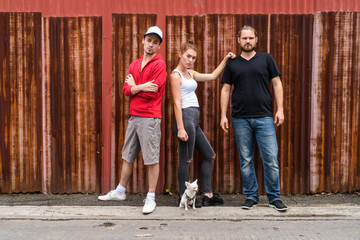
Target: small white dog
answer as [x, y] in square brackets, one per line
[189, 196]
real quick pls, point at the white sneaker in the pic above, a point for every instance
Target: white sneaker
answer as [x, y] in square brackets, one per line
[112, 195]
[149, 206]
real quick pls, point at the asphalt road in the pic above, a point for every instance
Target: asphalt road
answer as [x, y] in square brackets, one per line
[177, 229]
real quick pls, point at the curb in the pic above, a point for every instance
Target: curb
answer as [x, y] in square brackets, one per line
[261, 212]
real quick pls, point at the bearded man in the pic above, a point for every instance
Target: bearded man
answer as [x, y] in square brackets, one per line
[252, 73]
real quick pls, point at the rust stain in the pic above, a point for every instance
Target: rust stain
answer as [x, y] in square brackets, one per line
[50, 129]
[20, 102]
[73, 104]
[335, 131]
[291, 46]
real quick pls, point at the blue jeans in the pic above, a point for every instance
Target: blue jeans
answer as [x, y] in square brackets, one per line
[263, 129]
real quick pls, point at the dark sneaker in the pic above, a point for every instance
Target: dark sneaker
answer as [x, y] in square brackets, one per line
[278, 205]
[213, 201]
[249, 204]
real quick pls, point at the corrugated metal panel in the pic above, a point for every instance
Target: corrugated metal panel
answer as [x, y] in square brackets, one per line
[56, 8]
[318, 144]
[72, 104]
[128, 30]
[291, 46]
[177, 7]
[334, 142]
[20, 102]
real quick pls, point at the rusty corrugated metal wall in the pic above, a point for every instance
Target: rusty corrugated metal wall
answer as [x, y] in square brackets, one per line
[20, 102]
[334, 139]
[290, 42]
[317, 52]
[72, 104]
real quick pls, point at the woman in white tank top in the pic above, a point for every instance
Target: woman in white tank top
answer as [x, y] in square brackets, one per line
[183, 81]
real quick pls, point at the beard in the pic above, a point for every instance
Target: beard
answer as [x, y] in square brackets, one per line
[150, 52]
[247, 48]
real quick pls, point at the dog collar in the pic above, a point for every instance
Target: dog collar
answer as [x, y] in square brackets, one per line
[189, 198]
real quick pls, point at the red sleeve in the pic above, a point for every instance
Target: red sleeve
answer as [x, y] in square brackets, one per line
[127, 87]
[127, 90]
[159, 75]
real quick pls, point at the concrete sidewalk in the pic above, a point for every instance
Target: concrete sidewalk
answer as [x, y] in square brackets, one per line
[320, 221]
[261, 212]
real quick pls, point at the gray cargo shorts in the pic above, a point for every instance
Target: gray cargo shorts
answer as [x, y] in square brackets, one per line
[145, 134]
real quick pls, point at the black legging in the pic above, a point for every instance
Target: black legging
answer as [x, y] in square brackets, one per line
[198, 140]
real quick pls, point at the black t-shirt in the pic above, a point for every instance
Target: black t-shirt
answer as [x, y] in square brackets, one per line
[251, 97]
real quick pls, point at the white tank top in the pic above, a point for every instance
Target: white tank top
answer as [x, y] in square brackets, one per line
[187, 91]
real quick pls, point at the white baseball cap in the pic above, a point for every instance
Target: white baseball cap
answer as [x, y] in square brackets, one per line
[155, 30]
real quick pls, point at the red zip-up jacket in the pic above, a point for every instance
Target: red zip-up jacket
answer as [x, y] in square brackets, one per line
[147, 104]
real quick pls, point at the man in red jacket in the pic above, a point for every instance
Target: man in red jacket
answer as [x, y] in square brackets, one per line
[145, 85]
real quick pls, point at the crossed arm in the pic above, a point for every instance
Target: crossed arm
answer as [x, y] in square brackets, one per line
[145, 87]
[150, 89]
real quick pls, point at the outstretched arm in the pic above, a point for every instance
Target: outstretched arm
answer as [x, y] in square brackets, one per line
[202, 77]
[278, 92]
